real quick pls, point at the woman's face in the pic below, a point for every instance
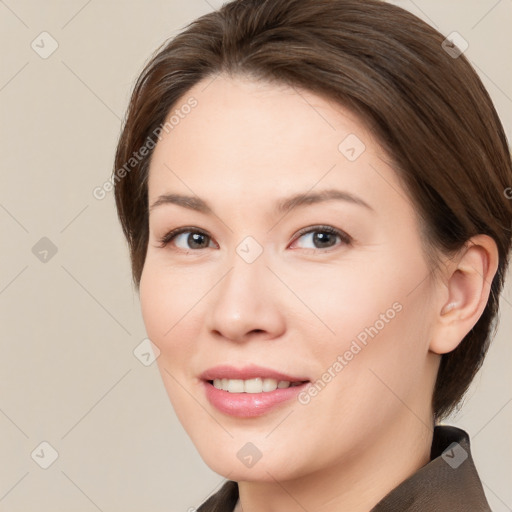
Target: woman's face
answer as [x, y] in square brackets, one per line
[335, 291]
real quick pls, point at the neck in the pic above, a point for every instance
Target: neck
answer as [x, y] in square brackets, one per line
[357, 484]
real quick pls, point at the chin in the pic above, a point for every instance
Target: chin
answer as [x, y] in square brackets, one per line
[233, 461]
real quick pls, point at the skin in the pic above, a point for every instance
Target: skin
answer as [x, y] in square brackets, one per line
[300, 304]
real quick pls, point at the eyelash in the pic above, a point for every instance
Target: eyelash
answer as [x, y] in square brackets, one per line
[344, 237]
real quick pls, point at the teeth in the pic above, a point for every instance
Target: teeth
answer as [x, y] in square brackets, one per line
[257, 385]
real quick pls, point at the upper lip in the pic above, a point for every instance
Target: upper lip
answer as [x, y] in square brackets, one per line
[247, 372]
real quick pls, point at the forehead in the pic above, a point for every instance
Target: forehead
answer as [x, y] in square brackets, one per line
[250, 137]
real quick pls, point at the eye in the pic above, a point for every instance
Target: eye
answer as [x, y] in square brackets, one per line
[197, 239]
[323, 237]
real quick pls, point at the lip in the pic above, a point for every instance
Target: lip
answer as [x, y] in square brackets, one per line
[247, 405]
[247, 372]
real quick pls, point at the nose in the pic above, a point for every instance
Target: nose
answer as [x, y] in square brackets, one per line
[245, 304]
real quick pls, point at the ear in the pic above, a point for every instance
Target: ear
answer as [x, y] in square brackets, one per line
[464, 293]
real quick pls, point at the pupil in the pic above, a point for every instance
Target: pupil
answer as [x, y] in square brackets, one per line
[322, 237]
[194, 237]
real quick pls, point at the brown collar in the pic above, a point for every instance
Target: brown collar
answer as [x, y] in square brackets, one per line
[448, 482]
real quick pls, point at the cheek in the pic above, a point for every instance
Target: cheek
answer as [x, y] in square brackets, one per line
[371, 373]
[377, 316]
[154, 302]
[169, 323]
[170, 305]
[351, 299]
[161, 306]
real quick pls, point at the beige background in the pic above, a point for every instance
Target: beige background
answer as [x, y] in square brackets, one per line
[69, 325]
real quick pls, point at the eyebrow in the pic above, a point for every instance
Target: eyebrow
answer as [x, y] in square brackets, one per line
[284, 205]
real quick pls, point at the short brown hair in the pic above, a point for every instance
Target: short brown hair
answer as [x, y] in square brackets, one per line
[428, 108]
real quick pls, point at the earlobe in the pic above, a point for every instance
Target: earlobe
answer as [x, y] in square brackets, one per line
[468, 283]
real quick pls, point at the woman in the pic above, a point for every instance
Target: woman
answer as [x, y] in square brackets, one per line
[314, 196]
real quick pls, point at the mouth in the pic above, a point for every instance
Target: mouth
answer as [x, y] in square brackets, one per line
[250, 391]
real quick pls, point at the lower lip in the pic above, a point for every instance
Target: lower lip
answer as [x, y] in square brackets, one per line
[247, 405]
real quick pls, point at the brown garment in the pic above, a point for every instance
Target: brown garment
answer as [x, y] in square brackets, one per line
[449, 482]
